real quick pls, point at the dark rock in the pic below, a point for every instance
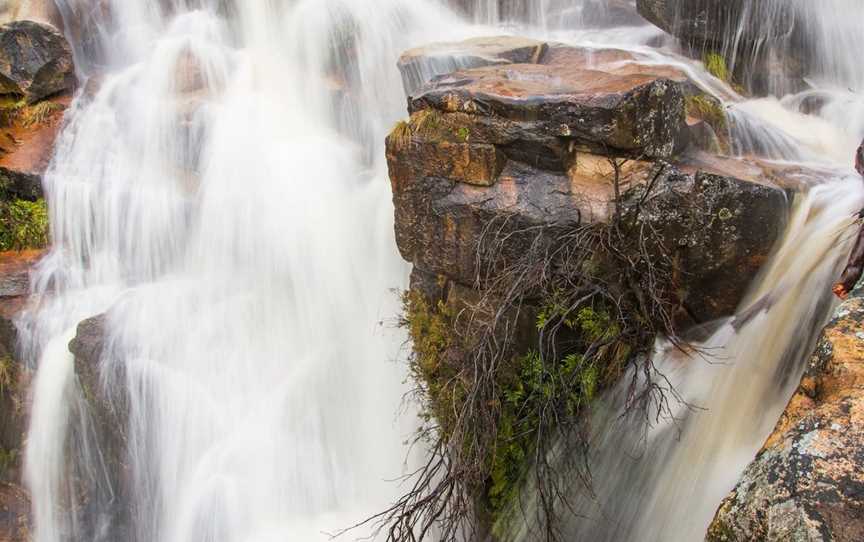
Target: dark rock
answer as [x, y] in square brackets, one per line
[560, 106]
[760, 38]
[494, 149]
[104, 503]
[723, 228]
[807, 483]
[35, 61]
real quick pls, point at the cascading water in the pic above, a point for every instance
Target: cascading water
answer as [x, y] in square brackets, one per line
[219, 192]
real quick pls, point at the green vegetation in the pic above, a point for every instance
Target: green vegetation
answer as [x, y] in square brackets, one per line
[8, 458]
[708, 109]
[431, 330]
[7, 373]
[431, 124]
[505, 370]
[716, 65]
[23, 224]
[20, 112]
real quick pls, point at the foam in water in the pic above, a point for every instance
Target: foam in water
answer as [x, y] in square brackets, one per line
[220, 192]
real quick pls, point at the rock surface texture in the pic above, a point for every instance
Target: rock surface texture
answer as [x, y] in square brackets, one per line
[524, 145]
[807, 483]
[35, 61]
[15, 379]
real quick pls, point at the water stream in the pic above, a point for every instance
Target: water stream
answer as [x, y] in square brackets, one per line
[220, 193]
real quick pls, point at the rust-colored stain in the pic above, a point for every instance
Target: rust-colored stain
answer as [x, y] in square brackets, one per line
[28, 148]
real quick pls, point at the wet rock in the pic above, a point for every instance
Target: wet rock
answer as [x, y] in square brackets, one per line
[807, 483]
[103, 504]
[27, 145]
[760, 37]
[510, 150]
[418, 66]
[15, 376]
[35, 61]
[551, 109]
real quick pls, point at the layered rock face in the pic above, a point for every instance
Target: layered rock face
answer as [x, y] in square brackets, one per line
[533, 132]
[807, 483]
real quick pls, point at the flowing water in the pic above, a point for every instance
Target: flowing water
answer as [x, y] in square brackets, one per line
[219, 192]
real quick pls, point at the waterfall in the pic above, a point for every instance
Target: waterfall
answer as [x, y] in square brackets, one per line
[219, 193]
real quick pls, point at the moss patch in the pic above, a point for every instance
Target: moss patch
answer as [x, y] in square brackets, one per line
[716, 65]
[433, 125]
[23, 224]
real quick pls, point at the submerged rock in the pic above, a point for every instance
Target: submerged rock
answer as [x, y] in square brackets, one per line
[807, 483]
[421, 64]
[102, 504]
[35, 61]
[758, 38]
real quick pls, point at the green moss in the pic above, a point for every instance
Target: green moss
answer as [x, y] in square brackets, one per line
[708, 109]
[23, 224]
[716, 65]
[430, 328]
[432, 125]
[8, 459]
[7, 373]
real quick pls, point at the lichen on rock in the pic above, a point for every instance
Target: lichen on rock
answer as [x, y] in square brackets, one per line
[807, 483]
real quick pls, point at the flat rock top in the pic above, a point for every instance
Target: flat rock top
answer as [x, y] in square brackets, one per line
[540, 81]
[511, 67]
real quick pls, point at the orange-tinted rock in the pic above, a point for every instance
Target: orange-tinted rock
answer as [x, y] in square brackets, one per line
[26, 149]
[807, 483]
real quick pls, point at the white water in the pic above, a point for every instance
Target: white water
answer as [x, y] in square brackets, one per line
[221, 193]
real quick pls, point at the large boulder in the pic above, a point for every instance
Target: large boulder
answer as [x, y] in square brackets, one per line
[521, 147]
[35, 61]
[807, 483]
